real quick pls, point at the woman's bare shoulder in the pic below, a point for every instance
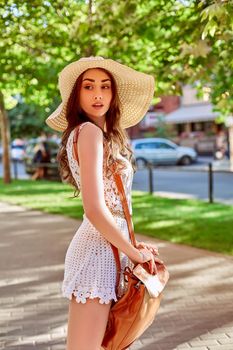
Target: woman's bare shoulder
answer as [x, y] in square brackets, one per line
[90, 131]
[90, 141]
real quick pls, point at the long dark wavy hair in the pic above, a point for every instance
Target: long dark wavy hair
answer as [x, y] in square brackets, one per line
[115, 138]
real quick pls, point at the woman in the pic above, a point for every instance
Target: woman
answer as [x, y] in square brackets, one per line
[41, 157]
[100, 98]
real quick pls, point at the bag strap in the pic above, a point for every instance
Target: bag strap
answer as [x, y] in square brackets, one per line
[121, 191]
[75, 139]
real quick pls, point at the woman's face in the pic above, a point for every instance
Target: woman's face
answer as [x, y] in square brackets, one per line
[95, 93]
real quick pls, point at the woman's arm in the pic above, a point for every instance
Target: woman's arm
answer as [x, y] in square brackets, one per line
[90, 153]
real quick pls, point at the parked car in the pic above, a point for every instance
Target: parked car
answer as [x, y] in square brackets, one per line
[161, 151]
[30, 165]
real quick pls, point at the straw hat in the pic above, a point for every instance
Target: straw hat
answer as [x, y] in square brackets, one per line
[135, 90]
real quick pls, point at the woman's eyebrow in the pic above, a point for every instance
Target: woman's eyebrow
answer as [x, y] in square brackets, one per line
[93, 80]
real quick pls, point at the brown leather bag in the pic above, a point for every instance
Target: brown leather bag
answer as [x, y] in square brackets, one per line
[135, 311]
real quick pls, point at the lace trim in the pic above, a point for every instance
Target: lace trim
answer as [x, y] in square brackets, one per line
[81, 293]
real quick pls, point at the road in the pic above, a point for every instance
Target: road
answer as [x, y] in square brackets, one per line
[185, 184]
[177, 182]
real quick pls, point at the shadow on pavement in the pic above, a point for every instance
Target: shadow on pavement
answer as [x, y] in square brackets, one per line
[196, 311]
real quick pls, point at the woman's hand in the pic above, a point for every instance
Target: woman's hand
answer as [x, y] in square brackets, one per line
[151, 247]
[147, 257]
[146, 254]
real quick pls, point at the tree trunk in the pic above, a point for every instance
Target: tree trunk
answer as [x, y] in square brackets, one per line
[89, 50]
[5, 134]
[231, 145]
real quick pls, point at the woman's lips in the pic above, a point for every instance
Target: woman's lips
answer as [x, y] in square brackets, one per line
[97, 106]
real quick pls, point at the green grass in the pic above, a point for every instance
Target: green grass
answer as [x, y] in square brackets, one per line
[192, 222]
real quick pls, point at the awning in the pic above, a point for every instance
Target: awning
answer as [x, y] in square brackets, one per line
[191, 113]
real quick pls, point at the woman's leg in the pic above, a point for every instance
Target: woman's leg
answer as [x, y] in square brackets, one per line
[41, 173]
[86, 324]
[36, 174]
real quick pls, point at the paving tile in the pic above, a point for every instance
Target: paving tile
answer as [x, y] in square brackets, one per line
[206, 342]
[214, 336]
[195, 313]
[185, 346]
[226, 341]
[223, 347]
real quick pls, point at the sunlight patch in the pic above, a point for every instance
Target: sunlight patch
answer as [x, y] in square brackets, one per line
[142, 205]
[162, 224]
[17, 280]
[211, 215]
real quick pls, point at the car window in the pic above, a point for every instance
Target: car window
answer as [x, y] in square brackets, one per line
[163, 145]
[146, 145]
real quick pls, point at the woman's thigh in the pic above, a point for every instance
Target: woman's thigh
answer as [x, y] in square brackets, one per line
[86, 324]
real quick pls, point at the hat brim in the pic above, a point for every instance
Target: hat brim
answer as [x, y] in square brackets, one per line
[135, 90]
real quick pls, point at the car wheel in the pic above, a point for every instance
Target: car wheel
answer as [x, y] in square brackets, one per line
[185, 160]
[141, 163]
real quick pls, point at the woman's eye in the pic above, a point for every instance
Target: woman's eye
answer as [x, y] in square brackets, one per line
[88, 87]
[106, 87]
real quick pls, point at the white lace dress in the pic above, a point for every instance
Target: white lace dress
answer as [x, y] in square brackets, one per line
[90, 269]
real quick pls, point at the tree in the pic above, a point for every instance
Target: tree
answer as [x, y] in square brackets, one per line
[27, 120]
[209, 57]
[32, 53]
[178, 41]
[5, 139]
[217, 17]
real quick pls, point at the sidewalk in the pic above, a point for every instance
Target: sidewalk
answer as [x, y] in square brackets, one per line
[202, 164]
[223, 165]
[196, 312]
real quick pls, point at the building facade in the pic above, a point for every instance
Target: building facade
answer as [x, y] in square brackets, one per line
[188, 121]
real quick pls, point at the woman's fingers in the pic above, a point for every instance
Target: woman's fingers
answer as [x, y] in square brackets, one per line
[150, 258]
[140, 245]
[152, 267]
[150, 247]
[158, 260]
[147, 255]
[154, 249]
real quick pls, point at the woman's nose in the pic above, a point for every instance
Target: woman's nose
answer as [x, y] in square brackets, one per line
[98, 97]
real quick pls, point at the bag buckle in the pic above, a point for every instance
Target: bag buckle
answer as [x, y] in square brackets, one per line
[137, 285]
